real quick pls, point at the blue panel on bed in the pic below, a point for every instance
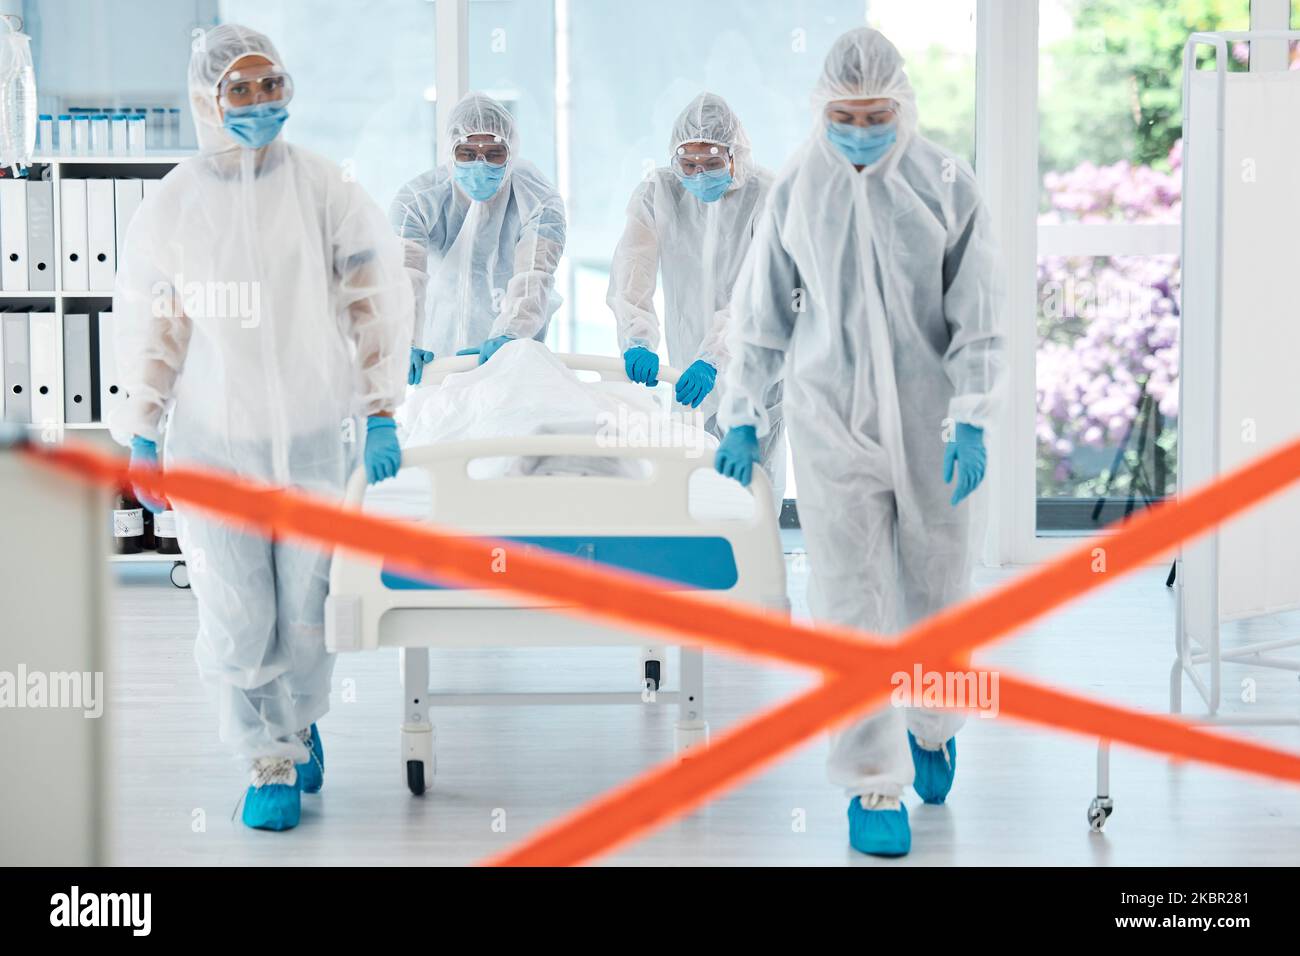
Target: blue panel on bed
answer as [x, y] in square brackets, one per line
[689, 563]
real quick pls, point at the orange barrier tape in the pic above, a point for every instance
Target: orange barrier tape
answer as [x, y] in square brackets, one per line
[946, 636]
[857, 672]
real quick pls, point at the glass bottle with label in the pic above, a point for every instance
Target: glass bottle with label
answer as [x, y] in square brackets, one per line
[164, 532]
[147, 540]
[128, 524]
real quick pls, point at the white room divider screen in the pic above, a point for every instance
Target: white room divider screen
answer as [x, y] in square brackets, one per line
[1239, 381]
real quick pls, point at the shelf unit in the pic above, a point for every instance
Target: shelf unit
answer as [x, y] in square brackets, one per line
[55, 168]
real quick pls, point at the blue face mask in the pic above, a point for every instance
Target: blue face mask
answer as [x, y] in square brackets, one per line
[480, 179]
[862, 145]
[255, 126]
[707, 185]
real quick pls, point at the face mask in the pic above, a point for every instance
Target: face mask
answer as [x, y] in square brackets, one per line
[255, 126]
[706, 185]
[480, 179]
[862, 145]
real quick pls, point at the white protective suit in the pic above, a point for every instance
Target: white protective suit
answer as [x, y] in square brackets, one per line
[480, 269]
[699, 247]
[260, 296]
[898, 339]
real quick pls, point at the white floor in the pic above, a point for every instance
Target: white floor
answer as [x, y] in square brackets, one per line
[1020, 795]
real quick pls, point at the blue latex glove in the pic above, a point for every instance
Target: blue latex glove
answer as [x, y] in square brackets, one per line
[879, 832]
[144, 454]
[966, 450]
[738, 453]
[419, 359]
[488, 348]
[311, 775]
[383, 454]
[642, 366]
[934, 769]
[696, 383]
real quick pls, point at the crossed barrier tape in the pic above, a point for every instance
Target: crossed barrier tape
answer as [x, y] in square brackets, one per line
[855, 666]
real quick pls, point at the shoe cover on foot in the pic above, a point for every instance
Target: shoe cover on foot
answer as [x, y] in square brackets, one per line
[880, 828]
[934, 769]
[311, 775]
[274, 800]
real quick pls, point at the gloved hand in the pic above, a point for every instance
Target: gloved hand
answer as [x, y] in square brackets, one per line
[419, 359]
[642, 366]
[966, 450]
[737, 454]
[383, 454]
[488, 348]
[696, 382]
[144, 454]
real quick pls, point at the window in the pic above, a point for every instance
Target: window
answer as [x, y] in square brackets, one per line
[1110, 122]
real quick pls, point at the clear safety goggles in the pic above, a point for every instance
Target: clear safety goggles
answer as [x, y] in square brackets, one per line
[857, 114]
[264, 84]
[494, 154]
[693, 160]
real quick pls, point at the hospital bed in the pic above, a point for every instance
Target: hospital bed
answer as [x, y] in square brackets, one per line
[681, 522]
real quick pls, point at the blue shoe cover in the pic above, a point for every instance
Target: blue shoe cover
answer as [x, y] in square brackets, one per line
[274, 798]
[934, 770]
[879, 832]
[311, 775]
[275, 806]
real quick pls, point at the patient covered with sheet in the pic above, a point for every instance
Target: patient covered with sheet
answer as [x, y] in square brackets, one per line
[526, 390]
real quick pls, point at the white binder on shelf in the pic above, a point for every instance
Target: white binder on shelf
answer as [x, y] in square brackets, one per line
[40, 235]
[150, 186]
[18, 393]
[78, 400]
[72, 220]
[101, 238]
[128, 194]
[13, 235]
[46, 343]
[111, 392]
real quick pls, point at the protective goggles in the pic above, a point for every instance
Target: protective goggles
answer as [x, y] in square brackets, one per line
[267, 84]
[693, 160]
[494, 154]
[856, 114]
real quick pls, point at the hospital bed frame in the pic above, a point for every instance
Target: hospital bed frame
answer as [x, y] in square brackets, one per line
[363, 613]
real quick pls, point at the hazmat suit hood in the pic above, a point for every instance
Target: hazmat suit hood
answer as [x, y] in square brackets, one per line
[215, 51]
[864, 65]
[479, 114]
[708, 119]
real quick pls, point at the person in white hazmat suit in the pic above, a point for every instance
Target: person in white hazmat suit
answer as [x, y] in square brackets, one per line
[693, 220]
[890, 368]
[262, 301]
[483, 235]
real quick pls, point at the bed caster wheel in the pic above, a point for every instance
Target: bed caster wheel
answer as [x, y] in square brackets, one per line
[690, 738]
[419, 760]
[415, 777]
[1099, 812]
[180, 575]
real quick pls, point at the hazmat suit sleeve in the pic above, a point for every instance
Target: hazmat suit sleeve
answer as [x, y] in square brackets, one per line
[762, 323]
[633, 275]
[714, 347]
[151, 335]
[374, 297]
[416, 230]
[973, 360]
[526, 305]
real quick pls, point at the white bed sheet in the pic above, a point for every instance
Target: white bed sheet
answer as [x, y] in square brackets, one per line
[526, 390]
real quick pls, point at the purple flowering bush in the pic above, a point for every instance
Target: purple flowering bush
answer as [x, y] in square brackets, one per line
[1107, 327]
